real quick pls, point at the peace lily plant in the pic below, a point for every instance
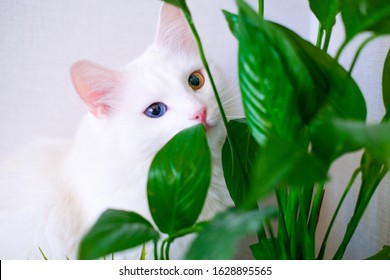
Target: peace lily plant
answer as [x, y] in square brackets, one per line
[300, 117]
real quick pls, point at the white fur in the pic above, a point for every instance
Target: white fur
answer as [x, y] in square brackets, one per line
[52, 192]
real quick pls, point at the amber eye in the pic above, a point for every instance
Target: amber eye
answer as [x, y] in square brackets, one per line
[196, 80]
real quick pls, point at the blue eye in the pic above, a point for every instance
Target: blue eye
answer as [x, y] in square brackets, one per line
[156, 110]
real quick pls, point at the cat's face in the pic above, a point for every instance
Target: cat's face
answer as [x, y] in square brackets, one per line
[159, 94]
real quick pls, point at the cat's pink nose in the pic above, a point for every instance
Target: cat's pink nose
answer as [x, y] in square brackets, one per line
[201, 115]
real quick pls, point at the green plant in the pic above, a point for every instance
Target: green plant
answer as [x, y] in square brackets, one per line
[303, 111]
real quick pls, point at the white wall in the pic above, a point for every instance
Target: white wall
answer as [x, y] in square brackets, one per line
[40, 39]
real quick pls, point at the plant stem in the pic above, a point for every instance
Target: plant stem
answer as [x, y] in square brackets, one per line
[166, 244]
[359, 50]
[155, 250]
[187, 15]
[43, 254]
[162, 251]
[320, 34]
[340, 50]
[328, 34]
[273, 239]
[167, 247]
[283, 235]
[261, 8]
[233, 149]
[359, 211]
[348, 187]
[315, 210]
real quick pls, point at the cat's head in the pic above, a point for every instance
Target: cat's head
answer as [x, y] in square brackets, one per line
[159, 94]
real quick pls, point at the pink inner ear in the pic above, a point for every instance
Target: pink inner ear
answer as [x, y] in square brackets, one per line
[97, 86]
[173, 31]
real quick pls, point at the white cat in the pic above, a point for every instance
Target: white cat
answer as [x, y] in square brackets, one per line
[53, 192]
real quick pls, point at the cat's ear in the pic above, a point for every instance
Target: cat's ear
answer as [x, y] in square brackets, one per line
[173, 31]
[97, 86]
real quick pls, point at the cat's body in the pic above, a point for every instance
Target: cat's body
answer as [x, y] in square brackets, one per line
[52, 192]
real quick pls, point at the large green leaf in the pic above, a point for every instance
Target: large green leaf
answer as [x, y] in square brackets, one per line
[333, 138]
[116, 231]
[237, 180]
[386, 85]
[384, 254]
[220, 237]
[178, 180]
[269, 71]
[365, 15]
[336, 91]
[284, 162]
[285, 81]
[325, 11]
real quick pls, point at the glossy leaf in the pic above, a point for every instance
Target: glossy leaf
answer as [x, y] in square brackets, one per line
[365, 15]
[220, 237]
[384, 254]
[336, 91]
[285, 81]
[116, 231]
[178, 180]
[386, 85]
[237, 180]
[325, 11]
[268, 72]
[334, 138]
[284, 162]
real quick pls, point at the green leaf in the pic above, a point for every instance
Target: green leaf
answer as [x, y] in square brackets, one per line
[325, 11]
[335, 90]
[266, 83]
[365, 15]
[237, 180]
[333, 138]
[220, 237]
[386, 86]
[116, 231]
[384, 254]
[178, 180]
[285, 81]
[232, 20]
[284, 162]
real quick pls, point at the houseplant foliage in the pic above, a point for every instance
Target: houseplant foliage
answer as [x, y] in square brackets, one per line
[303, 110]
